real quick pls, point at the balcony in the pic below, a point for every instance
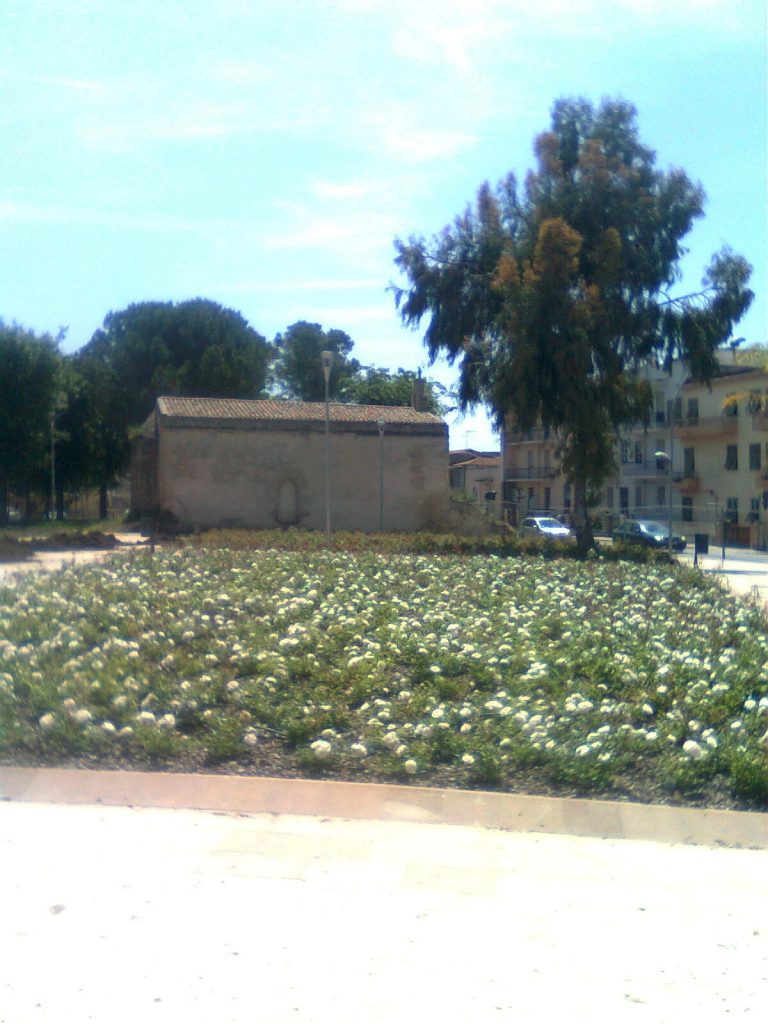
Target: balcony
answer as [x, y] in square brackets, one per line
[521, 437]
[688, 483]
[649, 469]
[532, 473]
[699, 428]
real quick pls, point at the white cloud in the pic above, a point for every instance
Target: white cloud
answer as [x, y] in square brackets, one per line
[80, 216]
[301, 285]
[345, 190]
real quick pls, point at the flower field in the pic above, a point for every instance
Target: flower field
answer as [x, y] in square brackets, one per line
[525, 674]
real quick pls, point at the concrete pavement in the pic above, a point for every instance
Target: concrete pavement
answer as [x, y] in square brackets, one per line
[116, 913]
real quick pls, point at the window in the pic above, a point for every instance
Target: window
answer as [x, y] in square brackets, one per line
[608, 497]
[687, 510]
[639, 498]
[658, 403]
[692, 413]
[689, 462]
[675, 409]
[731, 456]
[638, 454]
[754, 456]
[625, 452]
[754, 402]
[567, 496]
[547, 498]
[731, 510]
[754, 510]
[624, 500]
[661, 496]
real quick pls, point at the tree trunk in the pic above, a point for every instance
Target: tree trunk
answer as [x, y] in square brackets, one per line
[103, 508]
[4, 517]
[60, 503]
[585, 539]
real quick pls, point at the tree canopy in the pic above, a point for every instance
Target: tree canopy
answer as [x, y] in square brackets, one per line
[379, 386]
[553, 296]
[297, 369]
[196, 348]
[29, 378]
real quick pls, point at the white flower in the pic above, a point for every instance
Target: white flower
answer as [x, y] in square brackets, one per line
[467, 759]
[692, 749]
[145, 718]
[321, 749]
[82, 716]
[108, 727]
[233, 685]
[583, 750]
[47, 721]
[251, 739]
[411, 766]
[358, 750]
[438, 713]
[167, 722]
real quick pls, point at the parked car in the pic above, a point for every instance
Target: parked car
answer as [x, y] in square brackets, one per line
[648, 532]
[545, 526]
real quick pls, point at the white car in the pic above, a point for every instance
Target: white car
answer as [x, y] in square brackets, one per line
[545, 526]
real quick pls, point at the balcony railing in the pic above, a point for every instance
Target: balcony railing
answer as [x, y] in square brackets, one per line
[646, 468]
[724, 425]
[532, 473]
[520, 437]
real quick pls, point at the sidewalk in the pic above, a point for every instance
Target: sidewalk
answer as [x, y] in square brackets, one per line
[744, 572]
[138, 913]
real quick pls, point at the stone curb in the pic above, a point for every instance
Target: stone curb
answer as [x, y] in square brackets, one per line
[507, 811]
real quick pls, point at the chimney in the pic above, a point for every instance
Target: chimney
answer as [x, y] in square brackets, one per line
[418, 395]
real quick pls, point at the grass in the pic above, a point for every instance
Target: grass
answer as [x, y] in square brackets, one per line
[525, 673]
[32, 528]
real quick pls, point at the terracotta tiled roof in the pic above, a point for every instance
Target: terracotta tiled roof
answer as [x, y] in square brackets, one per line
[282, 411]
[481, 462]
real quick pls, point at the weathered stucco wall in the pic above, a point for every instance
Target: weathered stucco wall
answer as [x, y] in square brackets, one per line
[268, 476]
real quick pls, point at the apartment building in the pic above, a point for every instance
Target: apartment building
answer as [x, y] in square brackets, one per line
[706, 448]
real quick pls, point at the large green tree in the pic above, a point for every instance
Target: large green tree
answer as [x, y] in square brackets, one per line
[297, 370]
[29, 379]
[92, 448]
[195, 348]
[553, 296]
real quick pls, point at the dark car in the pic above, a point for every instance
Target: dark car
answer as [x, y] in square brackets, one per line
[648, 532]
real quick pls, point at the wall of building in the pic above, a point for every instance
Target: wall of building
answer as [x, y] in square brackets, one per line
[269, 477]
[701, 492]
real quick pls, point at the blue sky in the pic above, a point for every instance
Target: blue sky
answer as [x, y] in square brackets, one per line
[265, 154]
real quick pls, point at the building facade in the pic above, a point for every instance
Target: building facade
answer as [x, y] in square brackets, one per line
[236, 463]
[705, 451]
[478, 475]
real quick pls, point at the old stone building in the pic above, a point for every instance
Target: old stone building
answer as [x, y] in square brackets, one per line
[231, 462]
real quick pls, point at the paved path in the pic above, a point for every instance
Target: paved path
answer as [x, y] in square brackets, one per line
[122, 914]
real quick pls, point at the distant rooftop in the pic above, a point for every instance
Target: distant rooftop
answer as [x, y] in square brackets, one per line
[479, 462]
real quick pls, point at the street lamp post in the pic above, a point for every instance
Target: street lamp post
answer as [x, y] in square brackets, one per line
[327, 358]
[53, 465]
[667, 456]
[381, 424]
